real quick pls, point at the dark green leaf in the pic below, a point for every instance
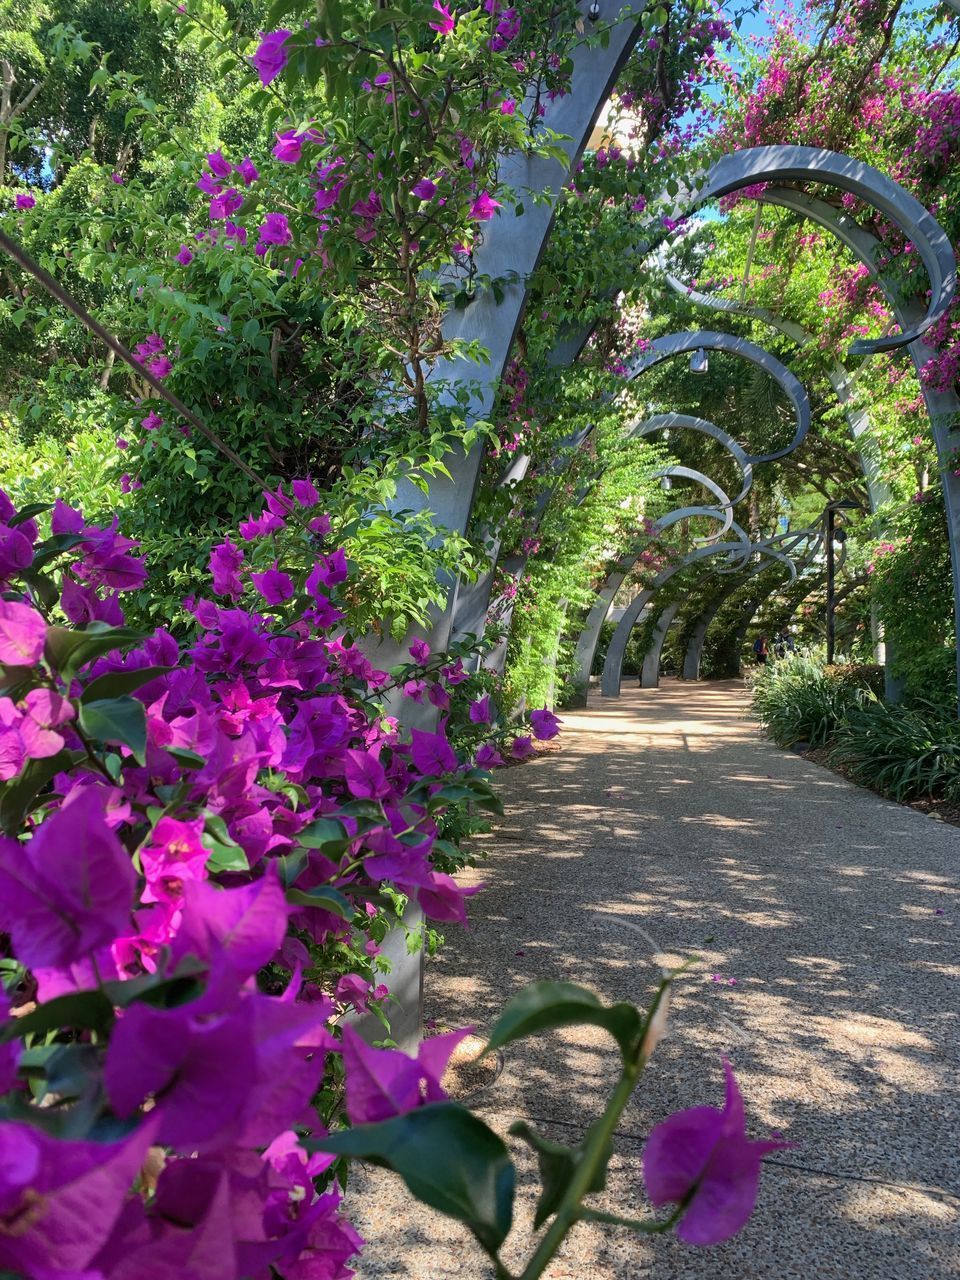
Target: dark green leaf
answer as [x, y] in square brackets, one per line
[557, 1166]
[17, 795]
[117, 720]
[67, 650]
[114, 683]
[545, 1005]
[449, 1159]
[324, 897]
[81, 1010]
[28, 512]
[320, 832]
[73, 1070]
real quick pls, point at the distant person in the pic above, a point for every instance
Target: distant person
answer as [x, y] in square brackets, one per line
[761, 650]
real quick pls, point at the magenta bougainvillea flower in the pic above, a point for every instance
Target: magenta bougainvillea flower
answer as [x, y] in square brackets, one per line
[23, 633]
[305, 492]
[271, 56]
[275, 230]
[382, 1083]
[225, 204]
[545, 724]
[487, 756]
[220, 166]
[288, 148]
[480, 712]
[424, 189]
[432, 753]
[420, 651]
[226, 561]
[151, 421]
[329, 571]
[185, 256]
[175, 860]
[274, 585]
[447, 21]
[703, 1157]
[484, 207]
[63, 1197]
[522, 747]
[247, 170]
[70, 890]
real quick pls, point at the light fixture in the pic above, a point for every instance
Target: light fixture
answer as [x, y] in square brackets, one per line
[593, 13]
[698, 361]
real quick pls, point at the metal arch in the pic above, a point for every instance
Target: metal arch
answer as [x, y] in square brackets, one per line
[613, 666]
[781, 548]
[858, 420]
[689, 422]
[514, 565]
[676, 344]
[650, 668]
[723, 510]
[777, 164]
[943, 407]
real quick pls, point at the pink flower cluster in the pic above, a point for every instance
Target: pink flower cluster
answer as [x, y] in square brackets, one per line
[215, 809]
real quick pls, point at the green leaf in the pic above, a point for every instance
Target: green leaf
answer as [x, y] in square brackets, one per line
[449, 1159]
[121, 719]
[114, 683]
[28, 512]
[558, 1164]
[17, 795]
[324, 897]
[80, 1011]
[67, 650]
[545, 1005]
[320, 832]
[72, 1070]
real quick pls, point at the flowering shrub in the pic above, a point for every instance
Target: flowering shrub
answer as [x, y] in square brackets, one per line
[203, 843]
[178, 818]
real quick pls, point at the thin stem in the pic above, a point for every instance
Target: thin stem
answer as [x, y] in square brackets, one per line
[649, 1226]
[594, 1157]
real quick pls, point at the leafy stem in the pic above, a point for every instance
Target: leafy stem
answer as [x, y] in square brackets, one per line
[596, 1150]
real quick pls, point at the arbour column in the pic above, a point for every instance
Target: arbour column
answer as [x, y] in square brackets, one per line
[650, 670]
[510, 250]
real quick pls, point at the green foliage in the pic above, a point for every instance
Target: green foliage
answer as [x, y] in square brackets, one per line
[907, 753]
[911, 581]
[797, 700]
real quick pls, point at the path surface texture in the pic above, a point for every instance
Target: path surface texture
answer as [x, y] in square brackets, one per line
[837, 914]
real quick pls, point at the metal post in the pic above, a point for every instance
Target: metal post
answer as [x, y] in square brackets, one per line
[831, 573]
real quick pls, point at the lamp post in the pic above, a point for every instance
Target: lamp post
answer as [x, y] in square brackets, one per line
[833, 533]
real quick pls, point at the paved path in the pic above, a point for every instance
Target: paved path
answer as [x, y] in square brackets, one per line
[666, 812]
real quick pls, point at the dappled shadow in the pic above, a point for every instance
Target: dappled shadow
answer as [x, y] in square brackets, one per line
[825, 921]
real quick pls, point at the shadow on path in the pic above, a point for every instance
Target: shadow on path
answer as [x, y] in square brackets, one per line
[666, 827]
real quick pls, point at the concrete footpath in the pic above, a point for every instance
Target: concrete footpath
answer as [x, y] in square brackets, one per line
[667, 827]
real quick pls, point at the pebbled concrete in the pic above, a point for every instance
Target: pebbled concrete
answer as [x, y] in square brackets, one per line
[666, 825]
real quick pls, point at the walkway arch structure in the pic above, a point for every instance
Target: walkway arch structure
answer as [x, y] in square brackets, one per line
[666, 348]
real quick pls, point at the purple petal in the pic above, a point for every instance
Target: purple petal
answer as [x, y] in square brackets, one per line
[677, 1152]
[727, 1193]
[380, 1083]
[245, 926]
[434, 1054]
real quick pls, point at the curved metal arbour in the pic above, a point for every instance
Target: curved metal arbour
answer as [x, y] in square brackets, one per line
[779, 164]
[675, 344]
[810, 164]
[783, 547]
[661, 349]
